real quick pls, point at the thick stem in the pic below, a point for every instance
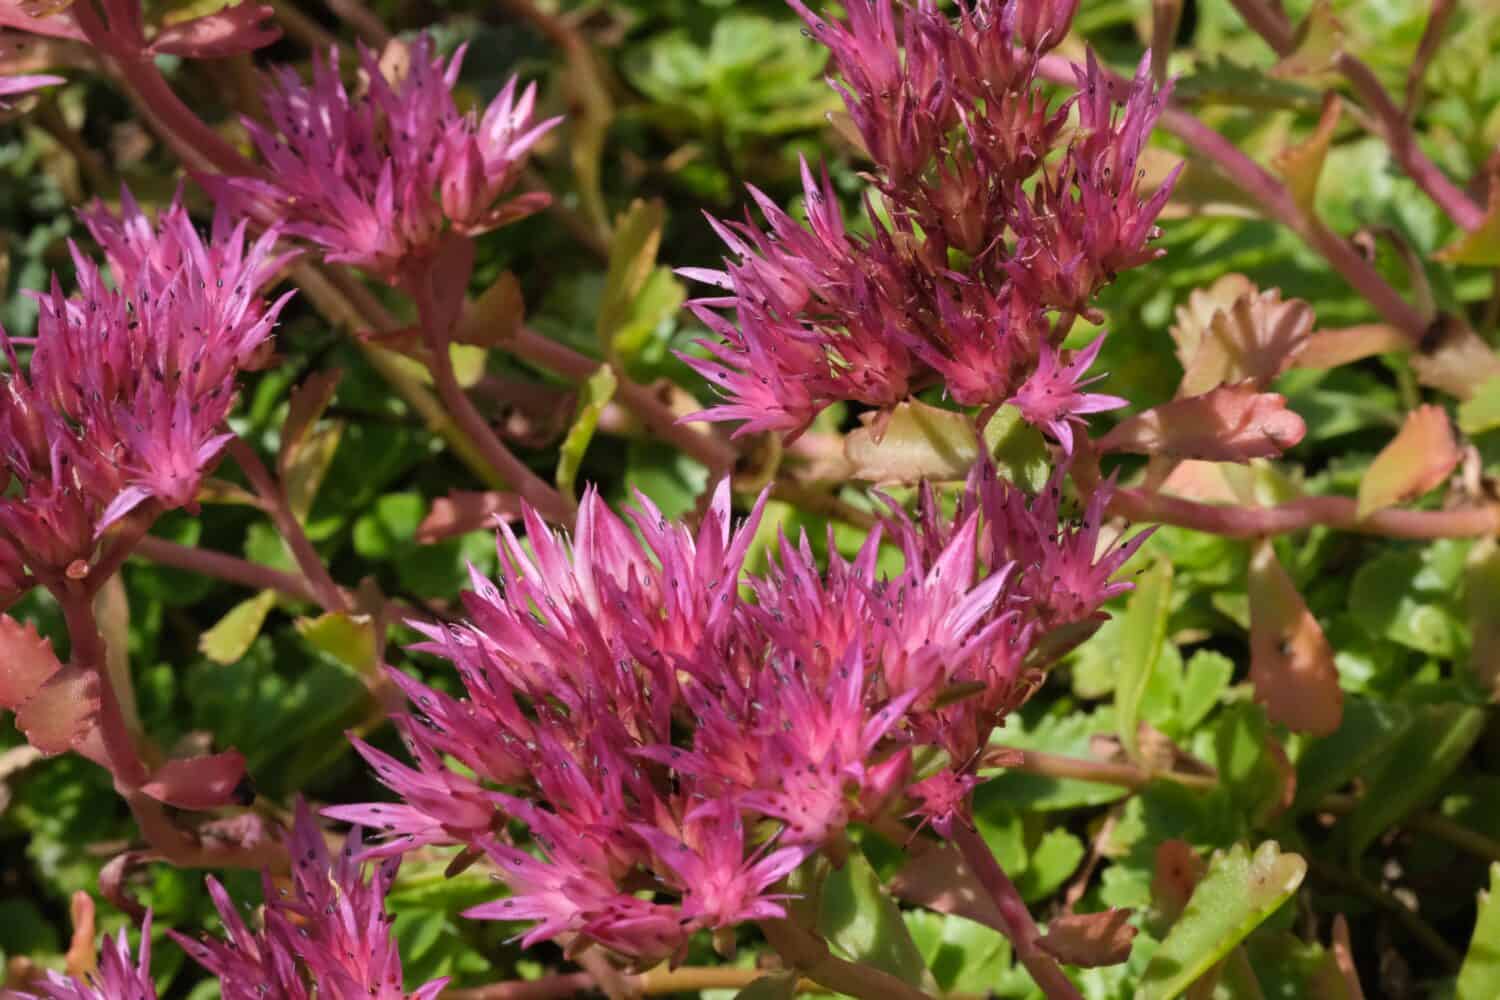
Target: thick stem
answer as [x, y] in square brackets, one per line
[1021, 928]
[225, 567]
[654, 982]
[87, 652]
[301, 547]
[808, 954]
[1387, 118]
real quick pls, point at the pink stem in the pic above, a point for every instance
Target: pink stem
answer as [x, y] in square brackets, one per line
[1388, 118]
[225, 567]
[1278, 203]
[1020, 927]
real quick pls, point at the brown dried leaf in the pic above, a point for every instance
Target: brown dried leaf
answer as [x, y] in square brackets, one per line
[26, 662]
[1331, 348]
[1455, 359]
[1227, 424]
[1291, 662]
[1302, 164]
[939, 879]
[1089, 940]
[462, 511]
[1422, 455]
[1178, 869]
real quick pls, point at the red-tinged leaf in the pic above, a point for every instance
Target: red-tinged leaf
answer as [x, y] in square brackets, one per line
[1291, 662]
[1343, 956]
[494, 318]
[446, 281]
[1196, 315]
[1345, 345]
[26, 662]
[462, 511]
[1178, 870]
[1228, 424]
[1254, 337]
[1302, 164]
[200, 782]
[1089, 940]
[245, 27]
[1422, 455]
[1201, 481]
[81, 958]
[308, 401]
[62, 712]
[939, 879]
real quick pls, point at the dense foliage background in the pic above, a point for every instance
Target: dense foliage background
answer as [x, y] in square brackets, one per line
[678, 104]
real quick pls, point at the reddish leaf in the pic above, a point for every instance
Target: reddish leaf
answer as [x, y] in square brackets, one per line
[494, 318]
[1228, 424]
[1331, 348]
[463, 511]
[26, 661]
[939, 879]
[81, 958]
[1420, 457]
[1089, 939]
[1178, 869]
[199, 782]
[61, 713]
[242, 28]
[1253, 336]
[1291, 662]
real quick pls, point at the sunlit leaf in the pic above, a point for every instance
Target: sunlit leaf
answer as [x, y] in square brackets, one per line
[1291, 662]
[925, 442]
[1302, 164]
[1227, 424]
[861, 920]
[1142, 633]
[1419, 458]
[1089, 939]
[596, 392]
[349, 639]
[231, 637]
[1479, 978]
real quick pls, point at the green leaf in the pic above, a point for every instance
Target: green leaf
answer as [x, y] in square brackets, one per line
[926, 442]
[1479, 978]
[1367, 733]
[1054, 859]
[964, 956]
[1481, 412]
[1205, 679]
[1236, 895]
[1394, 596]
[773, 986]
[632, 257]
[230, 639]
[1429, 750]
[597, 391]
[1243, 757]
[349, 639]
[861, 920]
[1143, 631]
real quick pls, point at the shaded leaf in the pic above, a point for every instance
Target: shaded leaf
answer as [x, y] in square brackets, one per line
[1428, 751]
[924, 442]
[861, 920]
[1345, 345]
[231, 638]
[1252, 764]
[1291, 662]
[1236, 895]
[463, 511]
[1482, 596]
[1089, 939]
[772, 986]
[307, 403]
[1421, 456]
[596, 392]
[493, 318]
[26, 662]
[1142, 632]
[1455, 359]
[305, 472]
[1227, 424]
[1302, 164]
[1479, 978]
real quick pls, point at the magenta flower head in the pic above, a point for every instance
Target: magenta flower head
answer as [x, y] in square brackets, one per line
[123, 399]
[992, 227]
[329, 937]
[373, 178]
[120, 976]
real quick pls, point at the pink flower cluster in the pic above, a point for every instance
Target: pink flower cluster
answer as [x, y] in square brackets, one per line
[983, 247]
[677, 735]
[121, 405]
[371, 179]
[329, 937]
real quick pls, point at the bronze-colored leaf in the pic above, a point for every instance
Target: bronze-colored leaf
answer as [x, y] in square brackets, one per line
[1254, 337]
[1301, 165]
[1344, 345]
[939, 879]
[26, 662]
[62, 711]
[1228, 424]
[461, 512]
[1291, 662]
[1455, 359]
[1089, 940]
[1422, 455]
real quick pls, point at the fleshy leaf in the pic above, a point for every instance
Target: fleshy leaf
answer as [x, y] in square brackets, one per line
[1481, 412]
[939, 879]
[1254, 337]
[1177, 873]
[26, 662]
[1479, 247]
[462, 511]
[1319, 43]
[199, 782]
[1420, 457]
[1302, 164]
[231, 637]
[62, 711]
[861, 920]
[1455, 359]
[1345, 345]
[632, 258]
[349, 639]
[1291, 662]
[772, 986]
[596, 392]
[304, 473]
[1479, 978]
[1236, 895]
[1227, 424]
[1142, 632]
[495, 317]
[924, 442]
[307, 403]
[1089, 939]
